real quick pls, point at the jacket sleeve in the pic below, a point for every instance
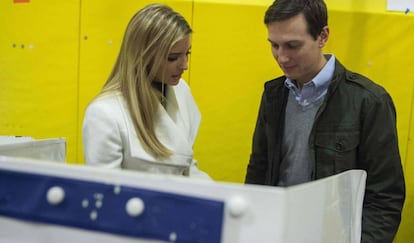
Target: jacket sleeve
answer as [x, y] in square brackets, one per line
[385, 186]
[102, 143]
[257, 167]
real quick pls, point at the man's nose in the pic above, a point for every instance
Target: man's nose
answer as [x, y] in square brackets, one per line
[282, 56]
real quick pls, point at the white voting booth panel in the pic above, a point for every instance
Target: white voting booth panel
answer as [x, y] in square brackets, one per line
[53, 149]
[43, 202]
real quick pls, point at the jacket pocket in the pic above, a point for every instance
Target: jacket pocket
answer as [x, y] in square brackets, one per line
[336, 151]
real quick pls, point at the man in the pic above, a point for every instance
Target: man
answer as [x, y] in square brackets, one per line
[321, 119]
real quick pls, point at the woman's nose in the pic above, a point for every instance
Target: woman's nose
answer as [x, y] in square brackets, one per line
[184, 63]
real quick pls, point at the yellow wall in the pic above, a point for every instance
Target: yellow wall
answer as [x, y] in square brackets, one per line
[230, 61]
[39, 69]
[56, 55]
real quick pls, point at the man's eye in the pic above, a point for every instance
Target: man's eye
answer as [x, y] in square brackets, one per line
[293, 46]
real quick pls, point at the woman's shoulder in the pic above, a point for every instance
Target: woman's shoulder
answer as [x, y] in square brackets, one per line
[183, 84]
[183, 87]
[107, 102]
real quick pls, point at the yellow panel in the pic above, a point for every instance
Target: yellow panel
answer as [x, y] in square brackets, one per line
[377, 6]
[231, 60]
[102, 29]
[357, 5]
[39, 60]
[238, 2]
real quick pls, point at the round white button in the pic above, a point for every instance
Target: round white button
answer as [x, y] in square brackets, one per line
[237, 206]
[135, 207]
[55, 195]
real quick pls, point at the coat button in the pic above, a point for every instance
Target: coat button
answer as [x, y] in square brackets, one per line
[338, 146]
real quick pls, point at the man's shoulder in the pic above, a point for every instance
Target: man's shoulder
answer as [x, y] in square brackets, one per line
[356, 82]
[359, 81]
[275, 83]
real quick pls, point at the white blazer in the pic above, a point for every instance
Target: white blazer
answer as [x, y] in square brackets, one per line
[110, 140]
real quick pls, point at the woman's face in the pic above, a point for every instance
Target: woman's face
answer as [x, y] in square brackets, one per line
[177, 62]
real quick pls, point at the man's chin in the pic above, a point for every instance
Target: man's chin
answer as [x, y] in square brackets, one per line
[289, 76]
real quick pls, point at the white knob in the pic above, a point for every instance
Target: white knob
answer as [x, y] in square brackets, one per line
[55, 195]
[135, 207]
[237, 206]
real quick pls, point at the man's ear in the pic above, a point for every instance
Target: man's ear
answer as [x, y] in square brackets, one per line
[324, 36]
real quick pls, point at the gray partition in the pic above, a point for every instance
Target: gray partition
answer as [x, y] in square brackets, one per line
[52, 149]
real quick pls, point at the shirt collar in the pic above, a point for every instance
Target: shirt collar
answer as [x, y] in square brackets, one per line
[323, 78]
[317, 87]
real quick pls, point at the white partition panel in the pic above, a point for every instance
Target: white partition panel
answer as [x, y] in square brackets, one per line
[43, 202]
[53, 149]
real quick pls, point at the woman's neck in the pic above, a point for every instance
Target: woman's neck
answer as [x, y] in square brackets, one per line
[160, 87]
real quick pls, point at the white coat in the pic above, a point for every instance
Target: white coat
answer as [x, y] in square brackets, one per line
[110, 140]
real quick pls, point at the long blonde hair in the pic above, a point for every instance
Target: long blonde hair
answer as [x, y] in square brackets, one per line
[148, 39]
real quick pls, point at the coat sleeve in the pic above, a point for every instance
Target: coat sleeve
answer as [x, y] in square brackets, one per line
[196, 173]
[257, 167]
[102, 143]
[385, 186]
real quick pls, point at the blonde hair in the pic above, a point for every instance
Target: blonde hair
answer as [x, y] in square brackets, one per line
[148, 39]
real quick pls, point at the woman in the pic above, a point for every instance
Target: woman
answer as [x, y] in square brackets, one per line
[145, 117]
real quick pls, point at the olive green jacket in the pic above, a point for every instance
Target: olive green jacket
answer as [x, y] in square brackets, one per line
[355, 128]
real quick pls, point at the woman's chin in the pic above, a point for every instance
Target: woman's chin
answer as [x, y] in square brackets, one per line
[174, 81]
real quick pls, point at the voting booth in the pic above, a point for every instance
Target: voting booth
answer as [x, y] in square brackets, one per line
[53, 149]
[44, 202]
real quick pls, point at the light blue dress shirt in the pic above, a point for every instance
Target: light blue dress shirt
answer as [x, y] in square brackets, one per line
[316, 88]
